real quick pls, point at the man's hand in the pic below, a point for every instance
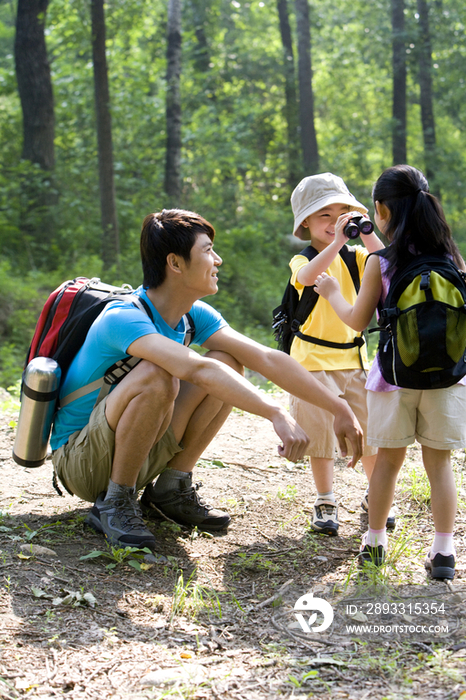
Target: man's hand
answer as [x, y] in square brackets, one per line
[346, 426]
[294, 439]
[325, 285]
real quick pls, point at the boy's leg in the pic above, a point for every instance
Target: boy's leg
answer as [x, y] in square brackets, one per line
[197, 418]
[368, 464]
[325, 508]
[318, 424]
[440, 561]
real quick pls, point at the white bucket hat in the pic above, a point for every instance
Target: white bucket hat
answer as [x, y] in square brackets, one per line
[316, 192]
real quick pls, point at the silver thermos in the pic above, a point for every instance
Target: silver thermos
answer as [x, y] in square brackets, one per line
[39, 395]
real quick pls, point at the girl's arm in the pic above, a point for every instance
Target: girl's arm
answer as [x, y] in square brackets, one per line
[359, 315]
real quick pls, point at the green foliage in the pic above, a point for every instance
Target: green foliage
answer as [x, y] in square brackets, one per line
[192, 597]
[234, 157]
[133, 556]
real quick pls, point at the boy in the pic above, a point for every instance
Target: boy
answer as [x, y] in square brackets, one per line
[322, 205]
[151, 429]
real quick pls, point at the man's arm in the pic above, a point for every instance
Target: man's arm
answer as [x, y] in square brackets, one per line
[219, 380]
[284, 371]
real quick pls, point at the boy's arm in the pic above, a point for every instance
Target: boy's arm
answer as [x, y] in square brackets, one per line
[359, 315]
[372, 242]
[288, 374]
[308, 274]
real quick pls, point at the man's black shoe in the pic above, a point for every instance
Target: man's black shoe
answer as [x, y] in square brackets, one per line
[119, 519]
[184, 506]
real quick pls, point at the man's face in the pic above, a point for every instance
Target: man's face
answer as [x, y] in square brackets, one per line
[321, 224]
[200, 273]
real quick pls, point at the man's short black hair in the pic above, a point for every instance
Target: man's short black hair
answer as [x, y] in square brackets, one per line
[165, 232]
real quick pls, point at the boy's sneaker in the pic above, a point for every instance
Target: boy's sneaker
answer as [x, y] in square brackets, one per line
[184, 506]
[120, 521]
[391, 520]
[441, 566]
[370, 554]
[325, 517]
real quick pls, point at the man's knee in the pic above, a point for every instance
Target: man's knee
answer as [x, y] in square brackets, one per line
[154, 380]
[227, 359]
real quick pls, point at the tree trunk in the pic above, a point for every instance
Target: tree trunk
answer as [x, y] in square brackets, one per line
[36, 95]
[425, 84]
[108, 214]
[399, 152]
[34, 83]
[306, 97]
[291, 102]
[173, 107]
[202, 52]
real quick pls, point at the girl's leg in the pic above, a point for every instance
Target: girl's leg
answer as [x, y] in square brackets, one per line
[440, 562]
[382, 485]
[368, 464]
[437, 464]
[381, 492]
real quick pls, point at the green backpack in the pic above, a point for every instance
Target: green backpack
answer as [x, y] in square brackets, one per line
[422, 325]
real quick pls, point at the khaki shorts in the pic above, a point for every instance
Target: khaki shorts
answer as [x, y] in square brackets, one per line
[435, 417]
[84, 463]
[318, 424]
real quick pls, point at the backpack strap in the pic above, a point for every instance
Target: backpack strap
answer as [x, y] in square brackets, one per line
[121, 368]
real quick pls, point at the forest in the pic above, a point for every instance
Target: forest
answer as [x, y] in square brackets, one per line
[109, 111]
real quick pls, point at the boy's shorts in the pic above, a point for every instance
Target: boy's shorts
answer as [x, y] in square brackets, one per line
[84, 463]
[435, 417]
[349, 384]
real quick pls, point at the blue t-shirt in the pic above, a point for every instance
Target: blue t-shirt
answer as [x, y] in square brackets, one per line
[109, 337]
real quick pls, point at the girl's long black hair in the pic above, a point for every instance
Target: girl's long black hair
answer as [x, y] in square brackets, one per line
[417, 222]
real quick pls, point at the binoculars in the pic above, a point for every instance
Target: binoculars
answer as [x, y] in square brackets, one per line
[358, 224]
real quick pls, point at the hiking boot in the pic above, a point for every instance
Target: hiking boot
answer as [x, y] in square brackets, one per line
[325, 517]
[391, 520]
[370, 554]
[441, 566]
[120, 521]
[184, 506]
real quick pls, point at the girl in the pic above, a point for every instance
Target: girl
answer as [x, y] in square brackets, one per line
[414, 223]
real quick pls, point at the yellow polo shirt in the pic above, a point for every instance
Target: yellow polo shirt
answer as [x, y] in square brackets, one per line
[323, 322]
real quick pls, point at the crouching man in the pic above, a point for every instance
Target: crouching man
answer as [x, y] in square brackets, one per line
[151, 429]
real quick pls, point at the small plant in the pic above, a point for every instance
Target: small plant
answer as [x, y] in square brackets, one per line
[131, 555]
[402, 548]
[192, 597]
[418, 487]
[255, 562]
[31, 534]
[288, 494]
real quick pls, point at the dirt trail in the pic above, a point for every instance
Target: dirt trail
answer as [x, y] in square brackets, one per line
[74, 628]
